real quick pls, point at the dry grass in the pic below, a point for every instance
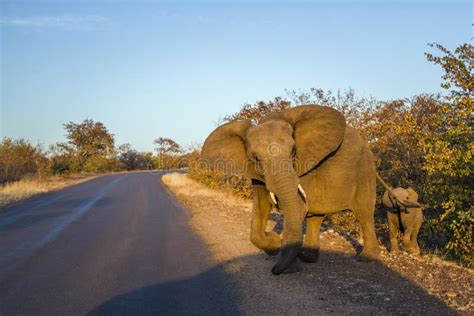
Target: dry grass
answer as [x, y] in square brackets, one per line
[28, 187]
[189, 187]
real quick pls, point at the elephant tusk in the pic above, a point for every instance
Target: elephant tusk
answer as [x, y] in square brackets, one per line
[272, 195]
[300, 188]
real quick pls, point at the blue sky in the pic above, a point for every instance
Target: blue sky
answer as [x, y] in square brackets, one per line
[151, 68]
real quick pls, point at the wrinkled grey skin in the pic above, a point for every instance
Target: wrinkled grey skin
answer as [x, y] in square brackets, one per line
[405, 215]
[309, 146]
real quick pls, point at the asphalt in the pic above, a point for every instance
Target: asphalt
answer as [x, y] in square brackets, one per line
[115, 245]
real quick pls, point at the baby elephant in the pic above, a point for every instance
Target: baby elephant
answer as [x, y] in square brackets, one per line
[404, 215]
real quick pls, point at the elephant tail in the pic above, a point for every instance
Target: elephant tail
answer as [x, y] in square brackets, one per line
[389, 189]
[384, 184]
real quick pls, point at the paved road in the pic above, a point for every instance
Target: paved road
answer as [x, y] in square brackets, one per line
[114, 245]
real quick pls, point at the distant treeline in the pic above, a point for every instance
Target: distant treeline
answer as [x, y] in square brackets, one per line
[90, 148]
[424, 142]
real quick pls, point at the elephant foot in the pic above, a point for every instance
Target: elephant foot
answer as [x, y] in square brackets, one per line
[274, 243]
[271, 252]
[286, 260]
[416, 251]
[270, 242]
[412, 251]
[294, 267]
[310, 255]
[368, 256]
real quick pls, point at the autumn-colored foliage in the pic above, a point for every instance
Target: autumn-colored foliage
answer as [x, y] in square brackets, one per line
[254, 112]
[19, 158]
[449, 155]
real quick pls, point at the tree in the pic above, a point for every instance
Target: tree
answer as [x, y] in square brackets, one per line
[255, 112]
[168, 151]
[19, 158]
[449, 158]
[61, 157]
[151, 161]
[91, 145]
[166, 146]
[345, 101]
[396, 131]
[458, 68]
[132, 159]
[89, 138]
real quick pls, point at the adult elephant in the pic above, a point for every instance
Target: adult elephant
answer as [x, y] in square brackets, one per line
[308, 162]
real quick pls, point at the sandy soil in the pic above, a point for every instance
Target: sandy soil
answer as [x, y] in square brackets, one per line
[336, 284]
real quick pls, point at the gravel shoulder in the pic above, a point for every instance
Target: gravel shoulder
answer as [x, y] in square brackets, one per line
[336, 284]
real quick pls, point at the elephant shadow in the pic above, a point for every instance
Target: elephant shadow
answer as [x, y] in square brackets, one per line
[207, 293]
[336, 284]
[380, 222]
[277, 218]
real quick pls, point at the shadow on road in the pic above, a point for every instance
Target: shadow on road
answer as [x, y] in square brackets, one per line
[336, 284]
[208, 293]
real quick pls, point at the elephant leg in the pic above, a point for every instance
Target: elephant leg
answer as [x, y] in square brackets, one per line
[393, 228]
[371, 250]
[310, 250]
[406, 239]
[414, 234]
[270, 242]
[414, 243]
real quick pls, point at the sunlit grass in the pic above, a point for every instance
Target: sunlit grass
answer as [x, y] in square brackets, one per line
[189, 187]
[28, 187]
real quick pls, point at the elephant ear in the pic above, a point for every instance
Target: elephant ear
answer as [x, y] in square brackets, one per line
[401, 198]
[388, 201]
[224, 149]
[412, 195]
[318, 131]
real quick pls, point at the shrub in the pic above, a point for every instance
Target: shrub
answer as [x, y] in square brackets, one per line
[449, 155]
[19, 158]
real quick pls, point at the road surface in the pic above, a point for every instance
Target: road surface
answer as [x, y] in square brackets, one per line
[114, 245]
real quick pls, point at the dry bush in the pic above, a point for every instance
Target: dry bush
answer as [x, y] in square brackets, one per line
[215, 179]
[19, 158]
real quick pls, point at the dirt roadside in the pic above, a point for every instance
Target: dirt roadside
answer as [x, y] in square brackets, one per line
[337, 284]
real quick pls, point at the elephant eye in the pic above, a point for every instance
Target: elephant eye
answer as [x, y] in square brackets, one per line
[255, 158]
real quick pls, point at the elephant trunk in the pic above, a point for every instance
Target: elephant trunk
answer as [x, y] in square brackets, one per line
[293, 207]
